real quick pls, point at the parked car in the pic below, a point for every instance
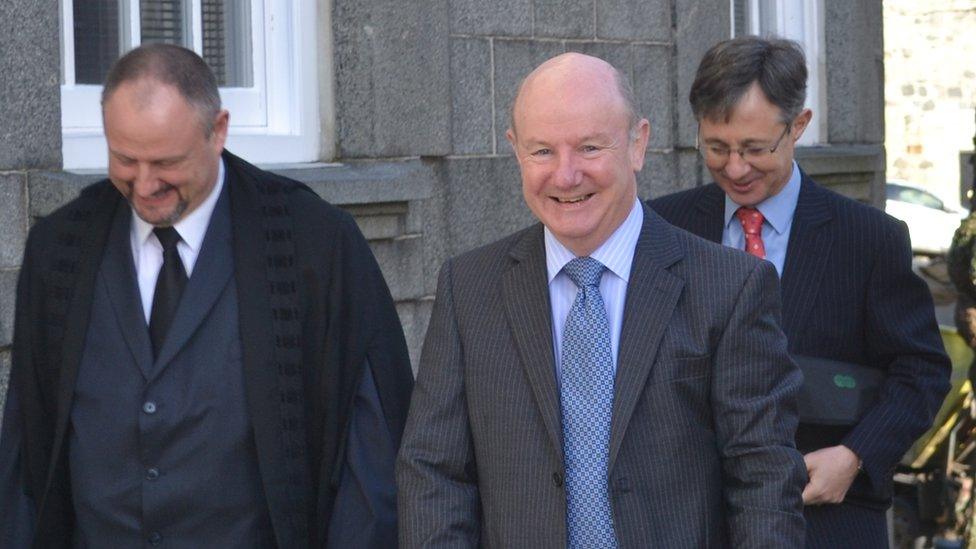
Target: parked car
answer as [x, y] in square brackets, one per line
[931, 223]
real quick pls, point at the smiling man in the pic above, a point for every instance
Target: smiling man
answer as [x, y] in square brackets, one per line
[205, 354]
[590, 381]
[164, 167]
[849, 293]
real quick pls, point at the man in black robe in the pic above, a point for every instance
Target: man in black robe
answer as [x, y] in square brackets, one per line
[205, 354]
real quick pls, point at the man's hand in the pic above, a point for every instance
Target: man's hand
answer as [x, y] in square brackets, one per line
[831, 471]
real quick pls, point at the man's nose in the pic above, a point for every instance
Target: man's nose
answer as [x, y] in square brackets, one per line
[736, 166]
[146, 181]
[567, 171]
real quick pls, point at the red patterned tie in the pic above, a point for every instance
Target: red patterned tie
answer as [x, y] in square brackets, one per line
[752, 222]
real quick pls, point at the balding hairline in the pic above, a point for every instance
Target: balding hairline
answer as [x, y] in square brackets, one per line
[146, 91]
[157, 65]
[625, 92]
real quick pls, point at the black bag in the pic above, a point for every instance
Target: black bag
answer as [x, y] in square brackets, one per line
[836, 392]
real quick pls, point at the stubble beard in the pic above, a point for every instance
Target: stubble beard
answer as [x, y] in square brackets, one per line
[165, 221]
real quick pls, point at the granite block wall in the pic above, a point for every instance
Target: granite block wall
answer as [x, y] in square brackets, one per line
[30, 136]
[421, 92]
[494, 44]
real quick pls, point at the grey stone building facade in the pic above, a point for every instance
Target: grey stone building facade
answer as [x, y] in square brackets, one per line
[416, 108]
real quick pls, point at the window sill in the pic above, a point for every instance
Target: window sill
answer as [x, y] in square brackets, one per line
[342, 184]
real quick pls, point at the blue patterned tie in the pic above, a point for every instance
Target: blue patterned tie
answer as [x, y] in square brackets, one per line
[587, 404]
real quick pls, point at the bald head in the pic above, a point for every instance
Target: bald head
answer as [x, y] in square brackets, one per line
[570, 74]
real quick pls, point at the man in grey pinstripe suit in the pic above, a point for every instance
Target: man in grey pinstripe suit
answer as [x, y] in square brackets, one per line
[700, 442]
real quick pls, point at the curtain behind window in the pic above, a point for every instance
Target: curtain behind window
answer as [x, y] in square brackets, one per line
[226, 36]
[97, 39]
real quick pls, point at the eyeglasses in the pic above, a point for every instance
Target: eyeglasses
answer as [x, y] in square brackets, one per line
[719, 154]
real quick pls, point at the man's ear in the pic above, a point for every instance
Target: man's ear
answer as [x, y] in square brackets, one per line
[220, 126]
[512, 140]
[639, 147]
[800, 124]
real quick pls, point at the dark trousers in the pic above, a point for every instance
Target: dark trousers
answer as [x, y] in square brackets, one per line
[845, 525]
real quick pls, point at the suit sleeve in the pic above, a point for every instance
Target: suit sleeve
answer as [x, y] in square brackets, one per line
[754, 405]
[901, 333]
[438, 495]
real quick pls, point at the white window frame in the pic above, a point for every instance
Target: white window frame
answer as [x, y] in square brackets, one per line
[802, 21]
[274, 121]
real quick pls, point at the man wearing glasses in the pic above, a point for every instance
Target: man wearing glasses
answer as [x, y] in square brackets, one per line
[849, 294]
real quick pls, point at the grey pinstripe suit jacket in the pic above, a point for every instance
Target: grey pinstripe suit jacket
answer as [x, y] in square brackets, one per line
[702, 448]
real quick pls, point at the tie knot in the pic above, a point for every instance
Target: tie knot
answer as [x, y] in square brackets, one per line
[584, 271]
[751, 220]
[168, 237]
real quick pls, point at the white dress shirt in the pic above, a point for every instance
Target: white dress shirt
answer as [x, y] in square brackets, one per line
[617, 254]
[147, 252]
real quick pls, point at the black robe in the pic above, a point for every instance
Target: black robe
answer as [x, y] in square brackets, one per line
[314, 308]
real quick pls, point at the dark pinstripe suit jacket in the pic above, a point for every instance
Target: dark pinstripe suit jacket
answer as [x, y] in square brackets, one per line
[849, 294]
[703, 416]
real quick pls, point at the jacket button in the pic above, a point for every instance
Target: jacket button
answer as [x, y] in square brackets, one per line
[155, 538]
[557, 479]
[152, 473]
[149, 407]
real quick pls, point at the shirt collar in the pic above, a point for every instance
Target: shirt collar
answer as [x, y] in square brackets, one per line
[778, 209]
[193, 227]
[616, 253]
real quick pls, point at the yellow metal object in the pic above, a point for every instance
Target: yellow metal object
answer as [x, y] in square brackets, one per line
[959, 397]
[931, 444]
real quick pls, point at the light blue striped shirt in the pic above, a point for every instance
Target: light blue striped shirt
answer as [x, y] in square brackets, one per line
[778, 213]
[617, 254]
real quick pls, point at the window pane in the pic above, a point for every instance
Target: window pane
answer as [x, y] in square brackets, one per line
[227, 41]
[164, 21]
[97, 42]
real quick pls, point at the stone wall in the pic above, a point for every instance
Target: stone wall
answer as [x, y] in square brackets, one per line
[30, 137]
[444, 73]
[421, 94]
[471, 56]
[930, 91]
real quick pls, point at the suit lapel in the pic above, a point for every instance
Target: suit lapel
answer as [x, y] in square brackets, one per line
[210, 275]
[806, 255]
[652, 294]
[525, 292]
[123, 291]
[710, 209]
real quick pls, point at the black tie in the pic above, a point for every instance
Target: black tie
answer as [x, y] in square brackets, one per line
[169, 288]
